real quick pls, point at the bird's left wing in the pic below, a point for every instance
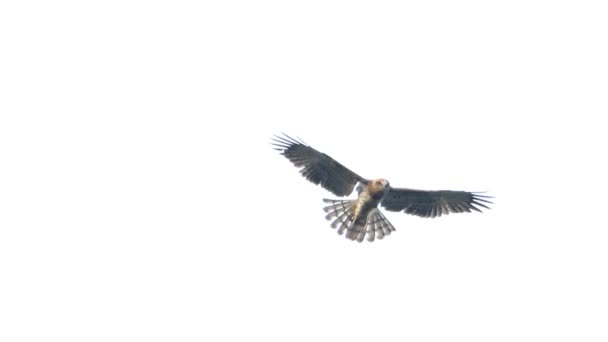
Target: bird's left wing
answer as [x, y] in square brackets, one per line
[433, 203]
[318, 167]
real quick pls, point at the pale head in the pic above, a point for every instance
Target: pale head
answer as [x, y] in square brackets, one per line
[380, 183]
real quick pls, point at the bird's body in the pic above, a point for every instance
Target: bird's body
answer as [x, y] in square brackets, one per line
[369, 197]
[361, 216]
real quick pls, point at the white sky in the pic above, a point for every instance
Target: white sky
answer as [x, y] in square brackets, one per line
[141, 200]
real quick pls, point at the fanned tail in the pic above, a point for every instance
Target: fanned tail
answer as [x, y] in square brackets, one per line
[374, 224]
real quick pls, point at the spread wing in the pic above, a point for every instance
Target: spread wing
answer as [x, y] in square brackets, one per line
[318, 167]
[433, 203]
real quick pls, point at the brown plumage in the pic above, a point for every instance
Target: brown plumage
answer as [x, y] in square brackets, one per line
[361, 216]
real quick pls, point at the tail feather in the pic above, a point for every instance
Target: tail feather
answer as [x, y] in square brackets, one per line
[375, 225]
[371, 230]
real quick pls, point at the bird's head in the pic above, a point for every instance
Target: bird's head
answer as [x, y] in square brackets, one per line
[378, 187]
[381, 183]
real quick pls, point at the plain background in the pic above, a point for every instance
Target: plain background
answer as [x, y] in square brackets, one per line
[140, 199]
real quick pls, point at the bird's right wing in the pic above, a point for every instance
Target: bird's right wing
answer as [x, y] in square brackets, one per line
[318, 167]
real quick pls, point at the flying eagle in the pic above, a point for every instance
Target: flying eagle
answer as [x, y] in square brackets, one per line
[362, 216]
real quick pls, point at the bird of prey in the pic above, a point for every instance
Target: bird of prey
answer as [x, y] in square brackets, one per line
[361, 216]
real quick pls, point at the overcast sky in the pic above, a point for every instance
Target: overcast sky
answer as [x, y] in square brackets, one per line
[141, 200]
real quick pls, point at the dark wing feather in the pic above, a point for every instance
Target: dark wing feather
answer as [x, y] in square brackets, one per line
[318, 167]
[433, 203]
